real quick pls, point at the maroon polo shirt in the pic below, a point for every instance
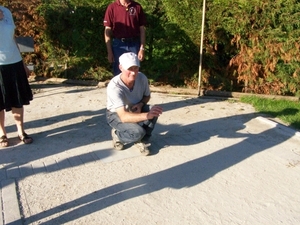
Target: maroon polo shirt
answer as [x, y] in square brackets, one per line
[124, 21]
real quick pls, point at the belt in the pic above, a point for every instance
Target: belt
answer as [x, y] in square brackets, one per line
[134, 39]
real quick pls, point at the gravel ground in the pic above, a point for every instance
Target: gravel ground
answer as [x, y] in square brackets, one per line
[214, 161]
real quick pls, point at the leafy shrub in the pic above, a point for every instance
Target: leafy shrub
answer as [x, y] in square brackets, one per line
[249, 46]
[263, 42]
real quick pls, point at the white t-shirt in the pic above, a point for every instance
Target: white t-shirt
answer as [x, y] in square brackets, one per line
[9, 52]
[119, 95]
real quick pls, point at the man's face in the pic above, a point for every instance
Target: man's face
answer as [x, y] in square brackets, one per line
[131, 73]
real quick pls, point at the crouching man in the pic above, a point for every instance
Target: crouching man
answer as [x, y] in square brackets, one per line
[131, 118]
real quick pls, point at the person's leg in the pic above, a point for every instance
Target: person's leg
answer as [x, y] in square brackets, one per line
[126, 132]
[130, 132]
[3, 138]
[148, 125]
[18, 114]
[134, 47]
[118, 48]
[133, 133]
[2, 125]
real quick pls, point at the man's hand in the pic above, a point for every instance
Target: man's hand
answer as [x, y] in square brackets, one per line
[137, 108]
[141, 55]
[155, 111]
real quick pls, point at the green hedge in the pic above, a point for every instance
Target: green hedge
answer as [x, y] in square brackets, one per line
[261, 42]
[249, 46]
[74, 36]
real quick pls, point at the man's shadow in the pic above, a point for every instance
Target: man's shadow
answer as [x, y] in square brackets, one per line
[54, 136]
[188, 174]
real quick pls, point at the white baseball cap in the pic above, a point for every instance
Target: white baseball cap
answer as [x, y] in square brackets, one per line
[128, 60]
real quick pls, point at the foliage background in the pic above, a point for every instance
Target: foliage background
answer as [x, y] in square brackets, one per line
[249, 45]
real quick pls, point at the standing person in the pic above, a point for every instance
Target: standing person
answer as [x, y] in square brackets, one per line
[14, 87]
[128, 93]
[124, 31]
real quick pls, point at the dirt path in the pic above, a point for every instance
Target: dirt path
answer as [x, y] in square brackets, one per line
[213, 162]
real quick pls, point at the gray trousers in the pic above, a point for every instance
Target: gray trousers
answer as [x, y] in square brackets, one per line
[131, 132]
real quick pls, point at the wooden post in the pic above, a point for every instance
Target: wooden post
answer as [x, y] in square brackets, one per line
[201, 47]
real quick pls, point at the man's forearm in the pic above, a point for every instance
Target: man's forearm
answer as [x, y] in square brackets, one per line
[108, 37]
[142, 37]
[145, 99]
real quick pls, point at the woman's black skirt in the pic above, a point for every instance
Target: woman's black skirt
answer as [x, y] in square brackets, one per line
[14, 87]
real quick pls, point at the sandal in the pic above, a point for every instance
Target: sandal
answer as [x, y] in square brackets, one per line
[26, 138]
[4, 141]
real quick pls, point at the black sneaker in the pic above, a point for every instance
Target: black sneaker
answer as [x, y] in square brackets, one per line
[118, 145]
[143, 147]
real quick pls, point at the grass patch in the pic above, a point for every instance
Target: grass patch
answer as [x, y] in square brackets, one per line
[287, 111]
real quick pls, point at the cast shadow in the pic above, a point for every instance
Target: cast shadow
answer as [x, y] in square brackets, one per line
[184, 175]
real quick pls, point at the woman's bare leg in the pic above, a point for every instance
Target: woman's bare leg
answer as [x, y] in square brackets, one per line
[2, 126]
[18, 114]
[3, 138]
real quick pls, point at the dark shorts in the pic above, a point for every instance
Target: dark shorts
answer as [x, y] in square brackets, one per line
[14, 87]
